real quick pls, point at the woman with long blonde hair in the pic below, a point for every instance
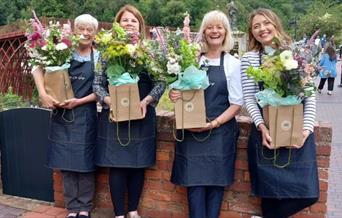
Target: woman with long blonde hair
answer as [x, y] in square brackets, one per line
[284, 191]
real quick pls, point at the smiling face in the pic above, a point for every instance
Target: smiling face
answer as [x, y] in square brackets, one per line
[129, 22]
[263, 30]
[215, 34]
[86, 33]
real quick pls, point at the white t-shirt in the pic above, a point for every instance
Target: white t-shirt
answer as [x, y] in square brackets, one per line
[233, 75]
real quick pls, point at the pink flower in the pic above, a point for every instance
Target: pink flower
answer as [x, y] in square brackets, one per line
[35, 36]
[66, 31]
[67, 42]
[309, 69]
[134, 37]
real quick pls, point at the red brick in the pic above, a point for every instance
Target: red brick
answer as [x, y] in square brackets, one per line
[241, 164]
[152, 185]
[323, 162]
[324, 150]
[153, 174]
[160, 195]
[58, 196]
[323, 174]
[246, 176]
[323, 196]
[323, 186]
[163, 165]
[310, 215]
[230, 214]
[241, 187]
[166, 146]
[318, 208]
[102, 178]
[163, 155]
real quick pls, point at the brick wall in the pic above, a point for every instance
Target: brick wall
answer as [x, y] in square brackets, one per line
[163, 199]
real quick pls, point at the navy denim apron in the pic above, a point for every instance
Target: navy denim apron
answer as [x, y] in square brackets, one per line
[210, 162]
[72, 133]
[297, 180]
[141, 151]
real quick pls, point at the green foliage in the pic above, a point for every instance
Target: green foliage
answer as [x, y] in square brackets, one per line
[165, 103]
[326, 17]
[11, 100]
[173, 13]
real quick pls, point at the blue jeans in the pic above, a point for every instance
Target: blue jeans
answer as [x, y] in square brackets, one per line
[205, 201]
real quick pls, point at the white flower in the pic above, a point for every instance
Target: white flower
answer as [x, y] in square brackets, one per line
[44, 48]
[173, 66]
[61, 46]
[291, 64]
[286, 58]
[131, 49]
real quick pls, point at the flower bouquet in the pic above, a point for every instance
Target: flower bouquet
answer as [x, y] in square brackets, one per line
[51, 47]
[176, 63]
[125, 58]
[287, 75]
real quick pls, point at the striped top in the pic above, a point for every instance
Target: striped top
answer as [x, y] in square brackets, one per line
[250, 87]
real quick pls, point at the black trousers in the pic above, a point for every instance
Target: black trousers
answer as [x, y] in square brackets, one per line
[330, 83]
[283, 208]
[122, 181]
[205, 201]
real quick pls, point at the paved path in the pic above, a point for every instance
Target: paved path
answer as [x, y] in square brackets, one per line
[329, 108]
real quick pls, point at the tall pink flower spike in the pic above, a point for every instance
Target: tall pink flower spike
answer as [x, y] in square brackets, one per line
[186, 27]
[36, 23]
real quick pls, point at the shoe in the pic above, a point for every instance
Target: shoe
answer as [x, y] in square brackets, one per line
[133, 215]
[84, 216]
[340, 86]
[319, 91]
[329, 92]
[70, 216]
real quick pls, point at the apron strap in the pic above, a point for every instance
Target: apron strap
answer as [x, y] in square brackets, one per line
[260, 83]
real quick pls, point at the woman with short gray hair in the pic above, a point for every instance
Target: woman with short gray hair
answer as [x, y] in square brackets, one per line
[72, 133]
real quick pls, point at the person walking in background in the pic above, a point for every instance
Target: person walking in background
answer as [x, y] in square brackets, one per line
[127, 163]
[206, 167]
[328, 69]
[283, 191]
[72, 144]
[323, 41]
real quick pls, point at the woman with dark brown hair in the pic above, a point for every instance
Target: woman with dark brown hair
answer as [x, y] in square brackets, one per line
[283, 191]
[127, 163]
[328, 69]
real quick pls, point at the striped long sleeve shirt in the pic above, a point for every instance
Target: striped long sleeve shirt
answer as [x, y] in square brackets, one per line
[250, 88]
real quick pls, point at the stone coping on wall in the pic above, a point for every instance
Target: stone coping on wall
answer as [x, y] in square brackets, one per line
[162, 199]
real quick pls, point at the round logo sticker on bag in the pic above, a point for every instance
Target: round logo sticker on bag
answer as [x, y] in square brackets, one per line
[124, 102]
[188, 107]
[286, 125]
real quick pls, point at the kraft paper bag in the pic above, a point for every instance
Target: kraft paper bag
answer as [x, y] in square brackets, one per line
[57, 84]
[125, 103]
[285, 124]
[190, 110]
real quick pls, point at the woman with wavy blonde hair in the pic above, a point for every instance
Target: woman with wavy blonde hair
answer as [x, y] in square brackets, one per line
[206, 167]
